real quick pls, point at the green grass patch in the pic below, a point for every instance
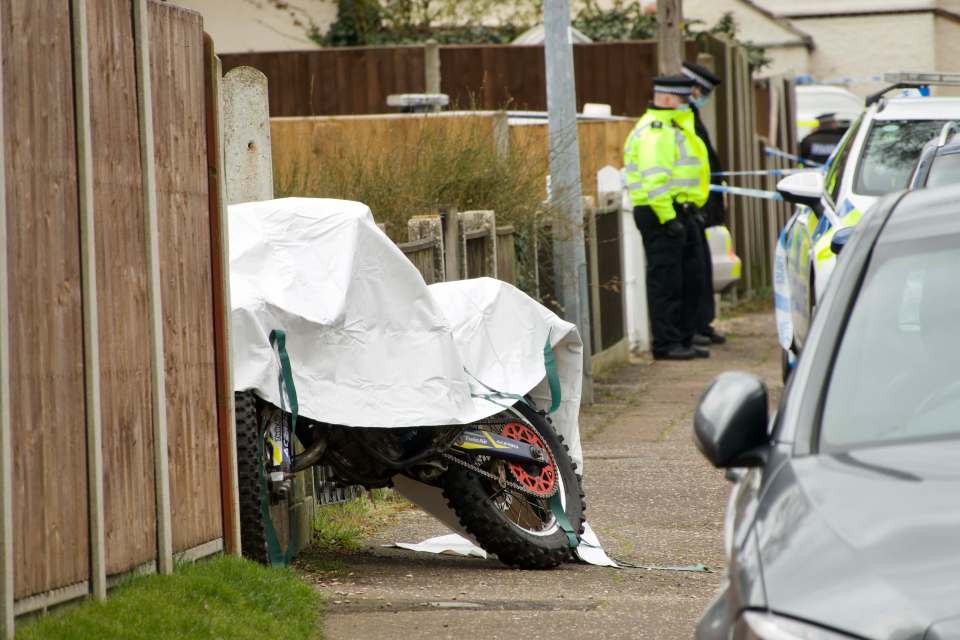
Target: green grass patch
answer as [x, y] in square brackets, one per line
[223, 597]
[344, 526]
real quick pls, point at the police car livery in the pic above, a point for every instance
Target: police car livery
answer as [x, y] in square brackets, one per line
[876, 156]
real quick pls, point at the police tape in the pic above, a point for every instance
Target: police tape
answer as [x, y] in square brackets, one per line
[748, 193]
[771, 151]
[759, 172]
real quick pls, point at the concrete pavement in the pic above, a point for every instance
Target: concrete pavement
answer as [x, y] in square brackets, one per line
[651, 497]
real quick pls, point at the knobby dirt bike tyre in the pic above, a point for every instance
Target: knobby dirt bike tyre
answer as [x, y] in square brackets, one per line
[469, 495]
[253, 534]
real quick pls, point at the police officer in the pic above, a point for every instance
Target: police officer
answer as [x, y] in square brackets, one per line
[713, 213]
[668, 173]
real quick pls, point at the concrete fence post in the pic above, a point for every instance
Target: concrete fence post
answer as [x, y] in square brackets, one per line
[6, 442]
[431, 69]
[141, 31]
[91, 331]
[248, 162]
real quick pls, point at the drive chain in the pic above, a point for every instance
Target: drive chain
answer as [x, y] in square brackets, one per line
[495, 478]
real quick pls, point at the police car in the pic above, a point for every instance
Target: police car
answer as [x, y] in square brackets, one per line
[876, 156]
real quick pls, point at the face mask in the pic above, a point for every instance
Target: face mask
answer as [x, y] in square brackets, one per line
[683, 107]
[700, 102]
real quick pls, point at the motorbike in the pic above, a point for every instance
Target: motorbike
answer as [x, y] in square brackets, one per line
[509, 478]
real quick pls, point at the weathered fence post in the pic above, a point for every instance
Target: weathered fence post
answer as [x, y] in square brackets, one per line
[6, 443]
[91, 331]
[220, 270]
[477, 225]
[450, 221]
[429, 227]
[590, 222]
[141, 31]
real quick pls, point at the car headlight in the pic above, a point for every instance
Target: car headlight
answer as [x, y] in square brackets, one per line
[761, 625]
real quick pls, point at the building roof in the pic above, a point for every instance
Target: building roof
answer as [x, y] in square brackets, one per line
[830, 8]
[755, 23]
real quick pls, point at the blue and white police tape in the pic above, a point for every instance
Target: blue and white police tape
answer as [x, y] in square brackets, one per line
[770, 151]
[759, 172]
[749, 193]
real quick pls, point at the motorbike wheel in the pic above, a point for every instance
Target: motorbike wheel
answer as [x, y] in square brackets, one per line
[253, 535]
[519, 528]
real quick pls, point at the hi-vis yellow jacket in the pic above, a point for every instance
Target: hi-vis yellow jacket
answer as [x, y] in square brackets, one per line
[666, 161]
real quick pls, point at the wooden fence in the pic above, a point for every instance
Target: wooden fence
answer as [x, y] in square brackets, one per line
[753, 222]
[111, 417]
[357, 80]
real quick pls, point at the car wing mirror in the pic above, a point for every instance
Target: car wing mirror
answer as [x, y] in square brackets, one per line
[730, 425]
[803, 187]
[840, 239]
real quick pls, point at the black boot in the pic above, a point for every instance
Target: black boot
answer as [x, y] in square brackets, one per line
[675, 352]
[711, 334]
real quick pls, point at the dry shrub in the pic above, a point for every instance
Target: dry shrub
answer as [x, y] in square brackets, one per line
[401, 167]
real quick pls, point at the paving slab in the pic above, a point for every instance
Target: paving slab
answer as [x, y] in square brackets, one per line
[651, 497]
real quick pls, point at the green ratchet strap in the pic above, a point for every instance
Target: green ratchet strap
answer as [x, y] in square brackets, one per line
[553, 382]
[553, 378]
[556, 508]
[278, 557]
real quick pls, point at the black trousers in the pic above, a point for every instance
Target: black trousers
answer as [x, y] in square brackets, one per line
[706, 310]
[674, 278]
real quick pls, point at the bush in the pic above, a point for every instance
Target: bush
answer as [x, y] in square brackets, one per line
[425, 164]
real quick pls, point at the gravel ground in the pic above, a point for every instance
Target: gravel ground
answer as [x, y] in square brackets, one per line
[651, 497]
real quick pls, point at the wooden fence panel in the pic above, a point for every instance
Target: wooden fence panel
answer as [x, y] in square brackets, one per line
[46, 334]
[422, 253]
[358, 80]
[176, 48]
[129, 494]
[335, 81]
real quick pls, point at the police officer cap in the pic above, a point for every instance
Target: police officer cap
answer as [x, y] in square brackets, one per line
[679, 85]
[707, 80]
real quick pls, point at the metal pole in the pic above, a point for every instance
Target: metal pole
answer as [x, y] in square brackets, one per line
[91, 330]
[161, 462]
[569, 254]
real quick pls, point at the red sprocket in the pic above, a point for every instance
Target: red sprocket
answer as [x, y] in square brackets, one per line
[544, 483]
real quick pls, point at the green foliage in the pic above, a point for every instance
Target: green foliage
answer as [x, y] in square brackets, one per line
[623, 21]
[727, 27]
[358, 22]
[385, 22]
[218, 598]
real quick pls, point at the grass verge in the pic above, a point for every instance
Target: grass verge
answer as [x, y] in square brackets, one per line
[344, 526]
[223, 597]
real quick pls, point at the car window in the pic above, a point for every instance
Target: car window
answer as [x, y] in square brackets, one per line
[945, 170]
[895, 377]
[839, 162]
[890, 153]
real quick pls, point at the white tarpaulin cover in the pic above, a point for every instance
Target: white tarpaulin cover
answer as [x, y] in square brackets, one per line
[370, 344]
